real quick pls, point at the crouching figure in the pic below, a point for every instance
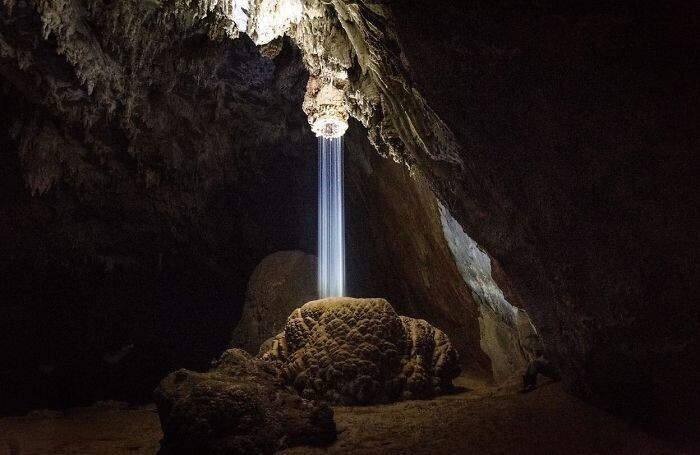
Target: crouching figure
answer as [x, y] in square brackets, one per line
[538, 365]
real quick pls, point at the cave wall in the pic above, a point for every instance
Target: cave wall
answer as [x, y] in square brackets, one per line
[396, 248]
[135, 203]
[404, 245]
[506, 333]
[579, 129]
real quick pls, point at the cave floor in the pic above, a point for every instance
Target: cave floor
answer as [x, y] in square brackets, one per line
[478, 418]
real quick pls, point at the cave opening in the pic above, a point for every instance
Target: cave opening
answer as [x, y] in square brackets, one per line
[188, 181]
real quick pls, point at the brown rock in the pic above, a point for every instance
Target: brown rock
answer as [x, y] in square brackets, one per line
[359, 351]
[282, 282]
[238, 407]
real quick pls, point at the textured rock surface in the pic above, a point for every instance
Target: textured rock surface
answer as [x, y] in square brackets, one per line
[282, 282]
[238, 407]
[359, 351]
[144, 221]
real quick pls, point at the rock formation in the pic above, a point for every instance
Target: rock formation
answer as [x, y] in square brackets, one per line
[359, 351]
[282, 282]
[338, 350]
[240, 406]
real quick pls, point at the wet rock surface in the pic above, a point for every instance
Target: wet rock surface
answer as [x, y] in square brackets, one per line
[359, 351]
[240, 406]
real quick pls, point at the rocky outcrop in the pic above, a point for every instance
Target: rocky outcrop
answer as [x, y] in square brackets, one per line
[238, 407]
[282, 282]
[359, 351]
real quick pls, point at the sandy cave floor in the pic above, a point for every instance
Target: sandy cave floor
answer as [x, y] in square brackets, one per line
[478, 419]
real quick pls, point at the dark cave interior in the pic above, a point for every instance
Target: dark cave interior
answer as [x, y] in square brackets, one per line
[512, 168]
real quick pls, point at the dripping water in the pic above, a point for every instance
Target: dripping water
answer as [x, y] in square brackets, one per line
[331, 223]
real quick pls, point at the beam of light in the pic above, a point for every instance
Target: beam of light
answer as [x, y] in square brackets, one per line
[331, 223]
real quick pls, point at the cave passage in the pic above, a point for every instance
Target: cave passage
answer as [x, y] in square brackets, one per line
[521, 182]
[331, 222]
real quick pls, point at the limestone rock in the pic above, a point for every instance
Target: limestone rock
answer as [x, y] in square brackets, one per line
[238, 407]
[282, 282]
[359, 351]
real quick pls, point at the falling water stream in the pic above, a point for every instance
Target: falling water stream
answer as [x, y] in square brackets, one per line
[331, 223]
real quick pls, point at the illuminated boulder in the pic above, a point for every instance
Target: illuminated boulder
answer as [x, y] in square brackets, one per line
[360, 351]
[282, 282]
[239, 406]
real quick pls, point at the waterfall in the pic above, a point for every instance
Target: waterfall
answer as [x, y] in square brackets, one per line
[331, 223]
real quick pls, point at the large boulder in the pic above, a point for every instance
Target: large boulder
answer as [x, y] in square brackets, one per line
[360, 351]
[282, 282]
[240, 406]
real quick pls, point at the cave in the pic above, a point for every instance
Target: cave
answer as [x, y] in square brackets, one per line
[349, 226]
